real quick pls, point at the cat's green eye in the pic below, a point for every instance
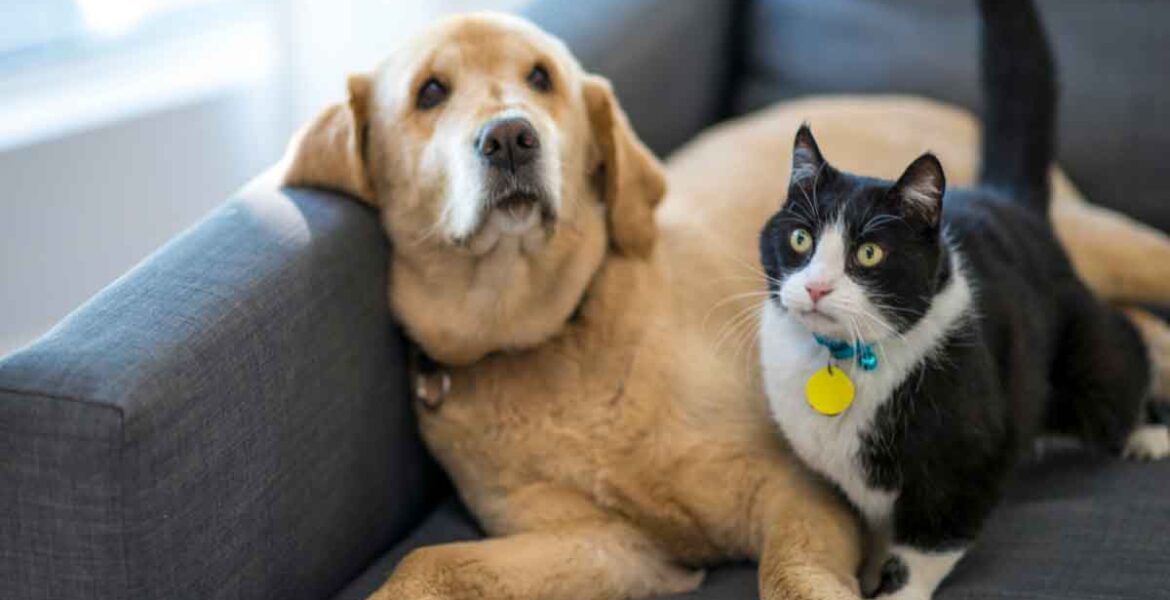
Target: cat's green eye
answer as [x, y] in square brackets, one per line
[870, 254]
[801, 240]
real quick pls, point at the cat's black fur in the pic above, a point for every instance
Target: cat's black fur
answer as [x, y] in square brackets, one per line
[1039, 350]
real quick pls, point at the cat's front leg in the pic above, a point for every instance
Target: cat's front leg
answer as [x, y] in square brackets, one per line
[913, 574]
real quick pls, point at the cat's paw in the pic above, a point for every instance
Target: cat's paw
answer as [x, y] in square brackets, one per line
[1148, 442]
[892, 578]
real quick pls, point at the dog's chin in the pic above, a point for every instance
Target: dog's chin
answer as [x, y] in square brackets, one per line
[522, 220]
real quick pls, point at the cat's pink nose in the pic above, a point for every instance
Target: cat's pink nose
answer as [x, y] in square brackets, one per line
[816, 291]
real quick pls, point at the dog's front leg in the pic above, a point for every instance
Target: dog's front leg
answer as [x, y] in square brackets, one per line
[811, 544]
[587, 561]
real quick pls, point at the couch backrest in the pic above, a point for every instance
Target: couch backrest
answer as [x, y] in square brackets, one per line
[1114, 60]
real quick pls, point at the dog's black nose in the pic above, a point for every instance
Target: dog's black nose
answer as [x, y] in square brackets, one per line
[508, 143]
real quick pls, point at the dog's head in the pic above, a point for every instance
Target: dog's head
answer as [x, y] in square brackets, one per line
[504, 174]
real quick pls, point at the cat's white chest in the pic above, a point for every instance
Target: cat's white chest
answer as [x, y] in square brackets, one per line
[830, 445]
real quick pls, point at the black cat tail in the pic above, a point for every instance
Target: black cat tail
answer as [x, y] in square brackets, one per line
[1019, 91]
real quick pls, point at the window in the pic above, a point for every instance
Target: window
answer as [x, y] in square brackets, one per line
[39, 31]
[67, 65]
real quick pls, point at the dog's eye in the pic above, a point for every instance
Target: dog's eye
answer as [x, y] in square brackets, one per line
[431, 94]
[539, 80]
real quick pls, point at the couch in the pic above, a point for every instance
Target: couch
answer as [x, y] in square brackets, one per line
[231, 419]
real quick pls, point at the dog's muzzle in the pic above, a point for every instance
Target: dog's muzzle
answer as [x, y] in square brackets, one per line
[510, 148]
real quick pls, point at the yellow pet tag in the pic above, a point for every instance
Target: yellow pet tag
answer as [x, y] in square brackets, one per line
[829, 391]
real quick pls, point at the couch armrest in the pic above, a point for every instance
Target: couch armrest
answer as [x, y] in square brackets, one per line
[230, 419]
[672, 62]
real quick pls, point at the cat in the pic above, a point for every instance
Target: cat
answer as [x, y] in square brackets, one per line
[952, 320]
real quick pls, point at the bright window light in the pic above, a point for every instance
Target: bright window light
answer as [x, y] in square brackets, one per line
[112, 17]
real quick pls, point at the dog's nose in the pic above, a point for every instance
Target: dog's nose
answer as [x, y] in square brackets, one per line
[508, 143]
[816, 291]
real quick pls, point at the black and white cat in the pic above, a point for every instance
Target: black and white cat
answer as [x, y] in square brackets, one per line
[909, 352]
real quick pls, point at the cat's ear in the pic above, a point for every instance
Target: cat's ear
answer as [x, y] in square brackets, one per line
[807, 161]
[920, 188]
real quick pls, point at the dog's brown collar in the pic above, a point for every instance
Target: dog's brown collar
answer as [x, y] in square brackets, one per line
[432, 383]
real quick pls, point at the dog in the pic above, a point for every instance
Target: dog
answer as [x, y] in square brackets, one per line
[600, 410]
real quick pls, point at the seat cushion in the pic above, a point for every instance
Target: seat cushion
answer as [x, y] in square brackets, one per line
[1114, 130]
[1073, 526]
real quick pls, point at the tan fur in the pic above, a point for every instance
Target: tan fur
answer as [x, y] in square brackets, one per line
[330, 151]
[616, 453]
[634, 182]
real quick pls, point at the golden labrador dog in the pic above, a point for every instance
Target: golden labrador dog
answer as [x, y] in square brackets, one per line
[598, 406]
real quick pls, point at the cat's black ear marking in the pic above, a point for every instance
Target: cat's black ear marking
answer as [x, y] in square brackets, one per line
[921, 187]
[807, 161]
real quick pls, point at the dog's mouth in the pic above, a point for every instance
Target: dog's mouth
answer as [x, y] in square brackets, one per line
[516, 202]
[521, 212]
[523, 206]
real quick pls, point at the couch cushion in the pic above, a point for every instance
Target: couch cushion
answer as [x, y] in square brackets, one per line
[1074, 526]
[1115, 120]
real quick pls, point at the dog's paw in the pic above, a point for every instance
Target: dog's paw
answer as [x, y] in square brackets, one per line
[1148, 442]
[683, 581]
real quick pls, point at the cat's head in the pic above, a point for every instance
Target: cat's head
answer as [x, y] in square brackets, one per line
[854, 257]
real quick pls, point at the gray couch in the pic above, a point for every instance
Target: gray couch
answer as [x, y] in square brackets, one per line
[231, 419]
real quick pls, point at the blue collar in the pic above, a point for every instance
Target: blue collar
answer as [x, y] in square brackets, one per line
[842, 350]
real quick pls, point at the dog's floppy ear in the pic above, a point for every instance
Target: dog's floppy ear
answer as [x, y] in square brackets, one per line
[329, 152]
[634, 181]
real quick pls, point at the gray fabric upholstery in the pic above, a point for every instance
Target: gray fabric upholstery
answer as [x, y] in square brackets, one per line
[229, 420]
[1073, 527]
[1115, 120]
[449, 522]
[669, 60]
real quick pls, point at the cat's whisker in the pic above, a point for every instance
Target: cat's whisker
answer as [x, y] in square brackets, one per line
[732, 325]
[751, 268]
[747, 341]
[738, 278]
[745, 335]
[734, 298]
[878, 221]
[739, 296]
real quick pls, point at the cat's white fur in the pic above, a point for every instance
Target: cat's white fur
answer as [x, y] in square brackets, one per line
[1148, 442]
[790, 355]
[848, 307]
[926, 570]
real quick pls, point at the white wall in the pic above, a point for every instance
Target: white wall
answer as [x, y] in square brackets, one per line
[81, 205]
[332, 40]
